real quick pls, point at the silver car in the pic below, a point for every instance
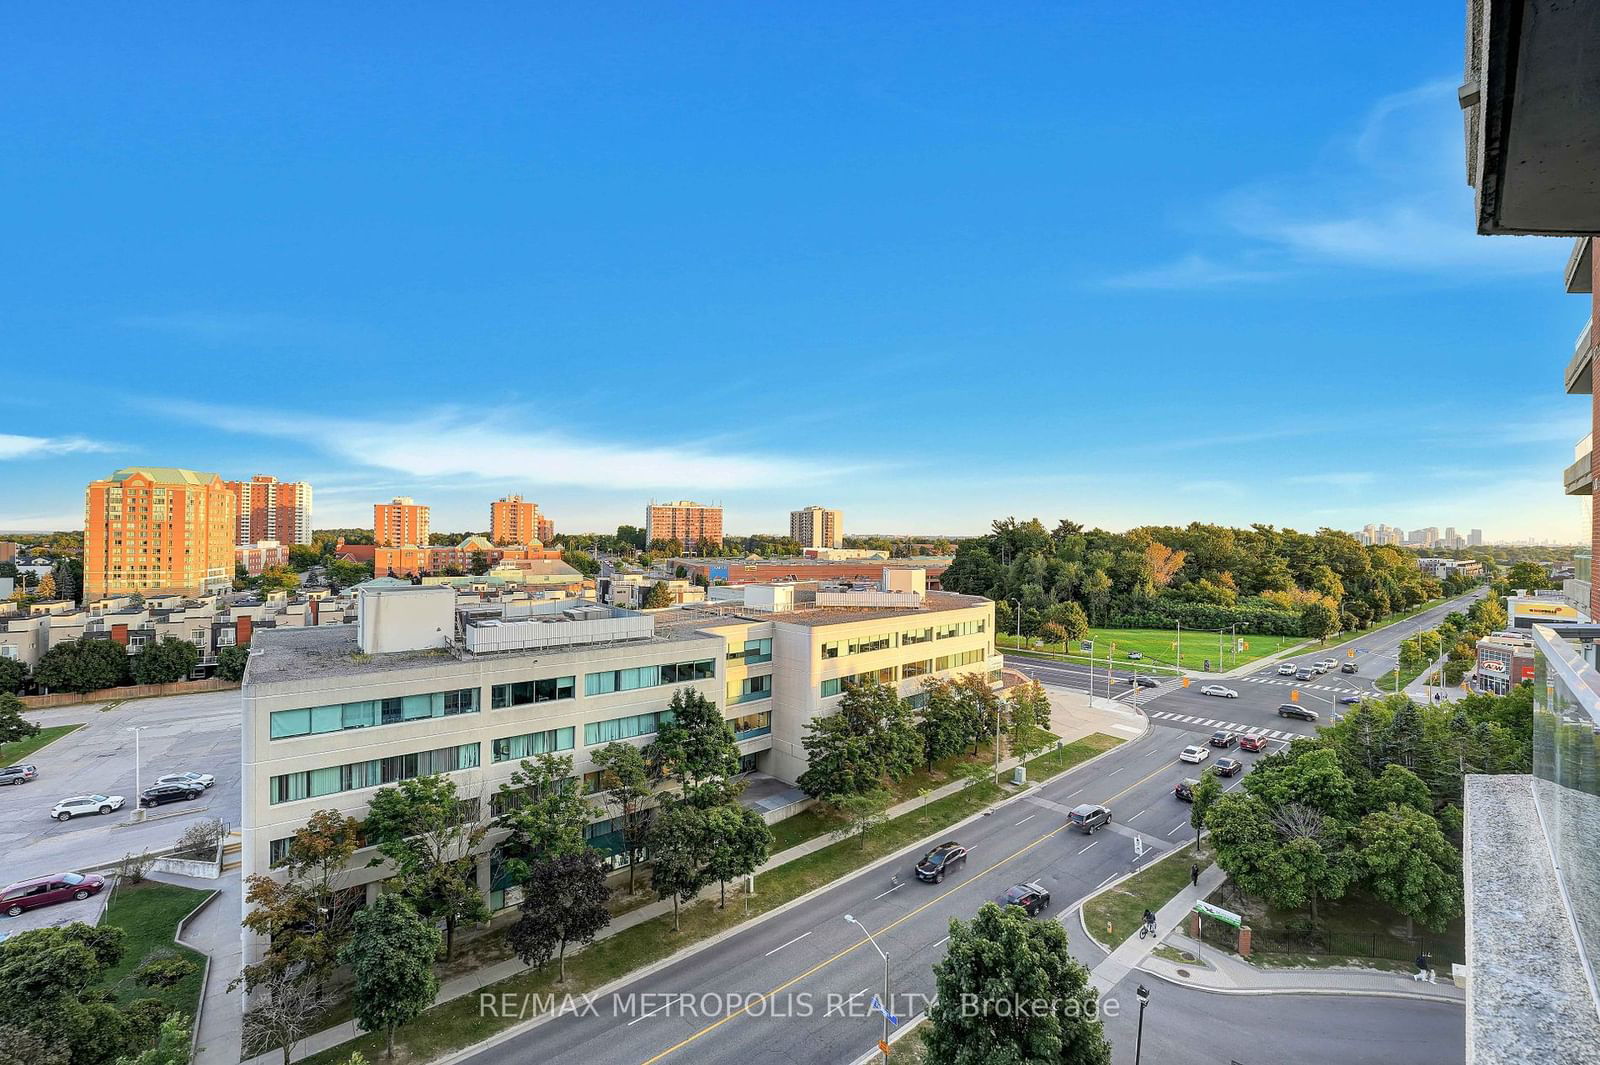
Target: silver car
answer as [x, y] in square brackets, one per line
[188, 780]
[1219, 691]
[80, 805]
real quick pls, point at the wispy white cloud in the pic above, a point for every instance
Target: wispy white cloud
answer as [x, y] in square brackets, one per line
[20, 447]
[1347, 480]
[499, 446]
[1193, 271]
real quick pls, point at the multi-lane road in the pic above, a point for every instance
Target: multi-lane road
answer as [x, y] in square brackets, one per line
[798, 986]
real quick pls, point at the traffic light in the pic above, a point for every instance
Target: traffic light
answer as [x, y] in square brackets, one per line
[1185, 682]
[1350, 653]
[1294, 696]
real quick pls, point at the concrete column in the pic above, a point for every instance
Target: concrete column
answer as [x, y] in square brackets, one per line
[1194, 925]
[1244, 941]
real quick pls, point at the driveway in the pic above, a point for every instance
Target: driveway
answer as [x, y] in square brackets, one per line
[88, 911]
[180, 732]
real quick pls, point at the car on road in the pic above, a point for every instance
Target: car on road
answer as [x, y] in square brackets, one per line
[1296, 710]
[1318, 668]
[1146, 682]
[1227, 767]
[1030, 897]
[1136, 655]
[941, 860]
[1089, 816]
[79, 805]
[192, 779]
[1184, 789]
[1348, 667]
[18, 774]
[161, 794]
[1305, 673]
[1346, 700]
[1219, 691]
[27, 895]
[1286, 670]
[1255, 741]
[1326, 664]
[1192, 753]
[1223, 738]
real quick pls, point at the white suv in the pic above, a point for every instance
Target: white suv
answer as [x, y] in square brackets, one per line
[79, 805]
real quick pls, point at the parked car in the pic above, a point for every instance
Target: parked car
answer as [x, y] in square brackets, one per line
[1286, 670]
[79, 805]
[191, 779]
[1089, 816]
[1296, 710]
[1255, 741]
[1227, 767]
[940, 860]
[161, 794]
[47, 890]
[1192, 753]
[1146, 682]
[1136, 655]
[1184, 789]
[1223, 738]
[18, 774]
[1219, 691]
[1030, 897]
[1348, 667]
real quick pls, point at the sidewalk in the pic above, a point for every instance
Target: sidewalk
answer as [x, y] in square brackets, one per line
[1421, 692]
[1133, 951]
[214, 932]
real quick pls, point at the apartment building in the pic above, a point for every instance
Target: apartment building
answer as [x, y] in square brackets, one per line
[8, 551]
[816, 527]
[421, 561]
[544, 528]
[1447, 567]
[259, 556]
[268, 509]
[691, 524]
[422, 684]
[401, 522]
[153, 529]
[514, 521]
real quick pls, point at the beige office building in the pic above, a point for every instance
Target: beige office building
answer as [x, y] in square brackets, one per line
[817, 527]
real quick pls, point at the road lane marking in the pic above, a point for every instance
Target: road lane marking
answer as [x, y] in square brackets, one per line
[1115, 771]
[1141, 813]
[798, 938]
[1025, 820]
[1176, 829]
[946, 939]
[1090, 845]
[875, 898]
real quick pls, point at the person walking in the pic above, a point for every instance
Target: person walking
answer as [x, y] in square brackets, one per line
[1194, 875]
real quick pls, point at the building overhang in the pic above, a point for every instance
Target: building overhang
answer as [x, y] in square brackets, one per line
[1530, 96]
[1579, 477]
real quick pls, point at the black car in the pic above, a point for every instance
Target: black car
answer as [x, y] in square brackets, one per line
[940, 860]
[1184, 789]
[1223, 738]
[1296, 710]
[1031, 897]
[1348, 667]
[162, 794]
[1146, 682]
[1227, 767]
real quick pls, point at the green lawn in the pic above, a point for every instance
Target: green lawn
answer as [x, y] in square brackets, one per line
[12, 753]
[1159, 647]
[148, 914]
[1114, 914]
[459, 1022]
[1356, 928]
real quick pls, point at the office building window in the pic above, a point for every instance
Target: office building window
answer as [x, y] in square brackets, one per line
[917, 636]
[831, 649]
[753, 653]
[337, 717]
[529, 744]
[624, 728]
[624, 680]
[749, 726]
[917, 669]
[523, 692]
[749, 690]
[354, 776]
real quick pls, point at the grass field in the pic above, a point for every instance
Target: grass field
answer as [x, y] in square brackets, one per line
[1158, 646]
[1358, 928]
[148, 915]
[12, 753]
[460, 1022]
[1114, 914]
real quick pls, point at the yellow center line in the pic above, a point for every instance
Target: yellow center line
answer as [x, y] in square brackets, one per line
[708, 1029]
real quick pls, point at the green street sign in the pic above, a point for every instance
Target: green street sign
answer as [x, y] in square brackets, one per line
[1217, 913]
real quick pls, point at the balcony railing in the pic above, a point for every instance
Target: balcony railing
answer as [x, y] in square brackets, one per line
[1578, 375]
[1578, 480]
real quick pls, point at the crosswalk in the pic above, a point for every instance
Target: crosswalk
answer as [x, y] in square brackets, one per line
[1229, 726]
[1292, 683]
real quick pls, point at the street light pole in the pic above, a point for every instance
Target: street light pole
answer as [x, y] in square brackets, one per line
[137, 789]
[885, 1002]
[1143, 994]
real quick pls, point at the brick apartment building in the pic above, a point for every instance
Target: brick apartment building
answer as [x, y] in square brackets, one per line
[513, 520]
[816, 527]
[155, 529]
[401, 522]
[269, 509]
[691, 524]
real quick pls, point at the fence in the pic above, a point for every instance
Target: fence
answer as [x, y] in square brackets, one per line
[1377, 945]
[127, 691]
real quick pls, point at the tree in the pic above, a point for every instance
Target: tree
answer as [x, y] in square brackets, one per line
[626, 787]
[1027, 713]
[69, 579]
[737, 843]
[1318, 620]
[13, 676]
[678, 850]
[432, 837]
[1529, 576]
[1204, 794]
[172, 1044]
[13, 726]
[564, 902]
[581, 561]
[870, 736]
[83, 665]
[288, 1009]
[544, 813]
[1407, 862]
[1072, 620]
[1002, 954]
[49, 987]
[940, 722]
[304, 913]
[231, 661]
[165, 661]
[304, 556]
[45, 590]
[343, 574]
[480, 563]
[980, 708]
[696, 747]
[1050, 633]
[859, 814]
[658, 596]
[391, 957]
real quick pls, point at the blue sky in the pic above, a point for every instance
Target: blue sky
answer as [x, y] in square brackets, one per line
[928, 264]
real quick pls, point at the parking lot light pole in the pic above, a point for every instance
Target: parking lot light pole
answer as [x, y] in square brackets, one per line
[138, 810]
[1143, 995]
[885, 1002]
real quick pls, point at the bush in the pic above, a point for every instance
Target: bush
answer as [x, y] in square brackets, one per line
[200, 840]
[163, 969]
[132, 868]
[231, 662]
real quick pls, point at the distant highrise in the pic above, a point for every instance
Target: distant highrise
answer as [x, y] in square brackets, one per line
[1475, 538]
[513, 521]
[816, 527]
[153, 529]
[401, 522]
[266, 508]
[691, 524]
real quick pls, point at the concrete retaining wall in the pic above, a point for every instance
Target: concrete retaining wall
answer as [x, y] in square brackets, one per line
[194, 867]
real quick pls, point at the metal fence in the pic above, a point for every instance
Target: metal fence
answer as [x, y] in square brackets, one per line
[1319, 942]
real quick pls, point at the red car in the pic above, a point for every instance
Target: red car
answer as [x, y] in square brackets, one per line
[1254, 742]
[47, 891]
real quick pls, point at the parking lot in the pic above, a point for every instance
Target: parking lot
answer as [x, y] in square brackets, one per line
[183, 732]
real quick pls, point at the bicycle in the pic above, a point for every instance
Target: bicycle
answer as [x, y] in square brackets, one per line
[1147, 928]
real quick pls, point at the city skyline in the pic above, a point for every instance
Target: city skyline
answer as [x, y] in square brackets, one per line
[941, 248]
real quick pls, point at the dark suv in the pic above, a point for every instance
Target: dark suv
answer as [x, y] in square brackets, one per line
[1184, 789]
[1296, 710]
[1089, 816]
[940, 860]
[1030, 897]
[1223, 738]
[1348, 667]
[162, 794]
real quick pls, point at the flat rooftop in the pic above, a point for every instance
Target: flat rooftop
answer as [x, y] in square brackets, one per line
[709, 614]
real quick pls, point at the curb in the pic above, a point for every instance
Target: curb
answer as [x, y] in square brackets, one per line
[692, 949]
[1083, 921]
[205, 972]
[1348, 992]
